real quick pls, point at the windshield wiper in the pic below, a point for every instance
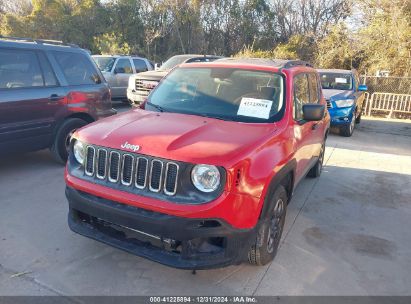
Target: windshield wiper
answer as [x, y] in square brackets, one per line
[159, 108]
[214, 116]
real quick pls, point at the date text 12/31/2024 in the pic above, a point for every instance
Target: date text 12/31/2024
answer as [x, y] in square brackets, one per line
[203, 299]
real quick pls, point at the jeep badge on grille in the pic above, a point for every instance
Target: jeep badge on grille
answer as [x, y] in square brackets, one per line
[131, 147]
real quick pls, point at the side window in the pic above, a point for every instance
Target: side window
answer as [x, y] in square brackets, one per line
[314, 89]
[301, 95]
[77, 68]
[19, 69]
[140, 65]
[49, 77]
[123, 66]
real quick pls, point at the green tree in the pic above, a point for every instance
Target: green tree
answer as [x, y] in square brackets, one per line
[111, 43]
[297, 47]
[336, 50]
[385, 39]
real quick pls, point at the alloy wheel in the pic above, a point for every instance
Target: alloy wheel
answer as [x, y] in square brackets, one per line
[276, 226]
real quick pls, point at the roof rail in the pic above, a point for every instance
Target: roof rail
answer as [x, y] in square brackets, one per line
[293, 63]
[39, 41]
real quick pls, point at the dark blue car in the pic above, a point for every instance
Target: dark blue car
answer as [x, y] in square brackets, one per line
[345, 98]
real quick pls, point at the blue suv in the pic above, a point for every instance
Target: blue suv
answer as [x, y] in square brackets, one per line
[345, 98]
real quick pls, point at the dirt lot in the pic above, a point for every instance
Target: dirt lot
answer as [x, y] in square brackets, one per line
[347, 233]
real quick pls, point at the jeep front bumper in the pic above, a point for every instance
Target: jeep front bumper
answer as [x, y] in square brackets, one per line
[186, 243]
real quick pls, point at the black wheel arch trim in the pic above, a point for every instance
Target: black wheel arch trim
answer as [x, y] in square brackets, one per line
[288, 171]
[81, 115]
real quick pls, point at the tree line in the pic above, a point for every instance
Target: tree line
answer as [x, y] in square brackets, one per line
[370, 35]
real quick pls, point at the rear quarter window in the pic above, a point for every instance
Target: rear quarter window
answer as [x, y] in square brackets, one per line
[19, 69]
[77, 68]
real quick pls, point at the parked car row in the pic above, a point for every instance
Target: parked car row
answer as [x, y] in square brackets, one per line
[200, 174]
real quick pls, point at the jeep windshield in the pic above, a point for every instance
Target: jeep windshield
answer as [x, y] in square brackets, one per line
[105, 64]
[222, 93]
[336, 81]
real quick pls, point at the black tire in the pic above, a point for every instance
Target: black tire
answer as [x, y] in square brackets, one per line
[59, 148]
[348, 129]
[269, 234]
[318, 167]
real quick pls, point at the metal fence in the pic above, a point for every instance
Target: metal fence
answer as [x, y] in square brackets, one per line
[388, 96]
[396, 85]
[388, 104]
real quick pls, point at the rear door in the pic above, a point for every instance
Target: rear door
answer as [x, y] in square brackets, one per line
[82, 82]
[30, 96]
[303, 144]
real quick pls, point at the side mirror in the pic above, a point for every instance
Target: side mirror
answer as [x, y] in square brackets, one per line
[362, 88]
[119, 71]
[313, 112]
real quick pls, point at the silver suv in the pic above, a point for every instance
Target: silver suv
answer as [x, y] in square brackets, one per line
[118, 68]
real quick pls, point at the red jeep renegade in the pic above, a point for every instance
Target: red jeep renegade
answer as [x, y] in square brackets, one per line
[201, 176]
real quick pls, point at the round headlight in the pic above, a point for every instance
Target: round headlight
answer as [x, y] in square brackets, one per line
[79, 151]
[205, 178]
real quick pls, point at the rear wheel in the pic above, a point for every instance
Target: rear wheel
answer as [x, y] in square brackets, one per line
[318, 167]
[271, 228]
[61, 142]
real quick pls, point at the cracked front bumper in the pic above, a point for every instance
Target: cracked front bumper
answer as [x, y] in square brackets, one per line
[179, 242]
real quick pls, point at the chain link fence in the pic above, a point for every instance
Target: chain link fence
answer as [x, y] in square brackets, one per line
[391, 94]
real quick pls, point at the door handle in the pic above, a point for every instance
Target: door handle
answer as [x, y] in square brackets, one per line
[55, 97]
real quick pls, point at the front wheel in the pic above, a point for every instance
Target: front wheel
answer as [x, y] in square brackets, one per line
[270, 231]
[348, 129]
[61, 142]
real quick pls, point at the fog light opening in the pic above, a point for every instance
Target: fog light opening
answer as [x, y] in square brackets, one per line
[211, 245]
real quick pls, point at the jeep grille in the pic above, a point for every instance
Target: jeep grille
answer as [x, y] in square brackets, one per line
[132, 170]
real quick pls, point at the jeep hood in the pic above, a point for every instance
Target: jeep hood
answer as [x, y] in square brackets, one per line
[336, 94]
[175, 136]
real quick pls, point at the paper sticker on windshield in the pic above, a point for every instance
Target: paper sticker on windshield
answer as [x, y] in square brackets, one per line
[253, 107]
[341, 80]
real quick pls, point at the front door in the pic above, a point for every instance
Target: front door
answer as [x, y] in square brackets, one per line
[303, 142]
